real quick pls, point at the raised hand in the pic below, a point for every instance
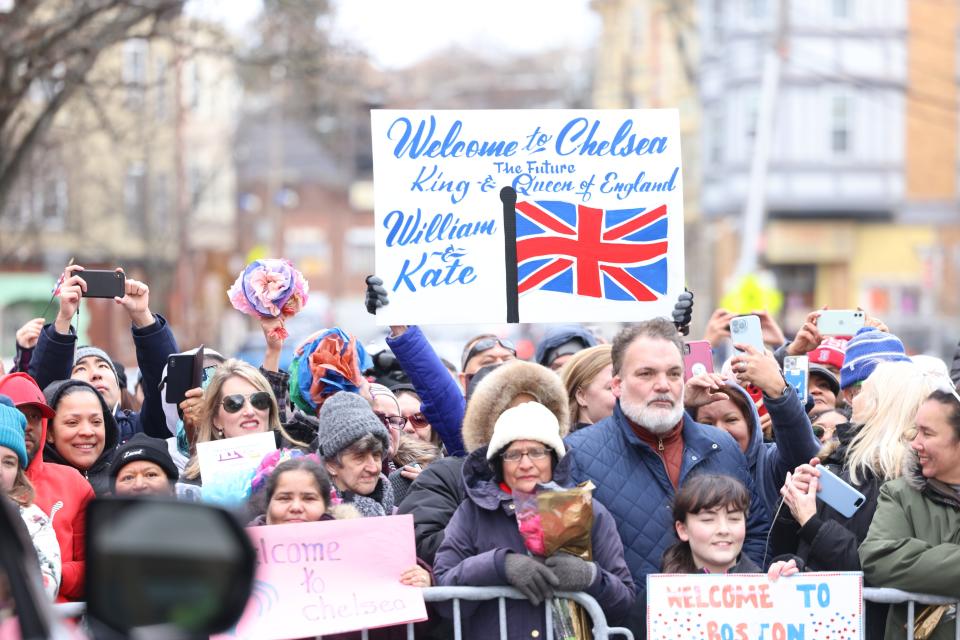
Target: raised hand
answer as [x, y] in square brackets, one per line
[136, 301]
[29, 333]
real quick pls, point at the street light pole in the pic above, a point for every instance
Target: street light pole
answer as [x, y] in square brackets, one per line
[755, 212]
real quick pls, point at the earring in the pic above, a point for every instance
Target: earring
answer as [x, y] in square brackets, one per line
[219, 432]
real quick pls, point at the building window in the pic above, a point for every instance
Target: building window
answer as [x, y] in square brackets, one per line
[715, 137]
[161, 96]
[756, 9]
[192, 84]
[135, 71]
[135, 197]
[359, 255]
[160, 200]
[53, 206]
[717, 26]
[840, 124]
[841, 8]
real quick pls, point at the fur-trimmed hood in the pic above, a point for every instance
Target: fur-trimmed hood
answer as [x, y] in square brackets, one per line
[930, 488]
[496, 391]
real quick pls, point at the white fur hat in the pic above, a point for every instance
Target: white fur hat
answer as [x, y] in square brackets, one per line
[527, 421]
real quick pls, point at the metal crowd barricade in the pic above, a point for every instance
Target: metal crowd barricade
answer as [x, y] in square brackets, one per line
[439, 594]
[896, 596]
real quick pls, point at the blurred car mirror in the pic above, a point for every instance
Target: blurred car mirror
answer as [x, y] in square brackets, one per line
[174, 567]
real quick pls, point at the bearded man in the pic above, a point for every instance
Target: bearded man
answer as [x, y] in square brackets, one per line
[642, 454]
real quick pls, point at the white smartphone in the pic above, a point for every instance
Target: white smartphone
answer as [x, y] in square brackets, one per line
[838, 494]
[840, 322]
[746, 330]
[796, 370]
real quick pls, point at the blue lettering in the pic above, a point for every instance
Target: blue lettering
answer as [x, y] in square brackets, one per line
[578, 136]
[422, 143]
[450, 273]
[403, 229]
[823, 594]
[806, 590]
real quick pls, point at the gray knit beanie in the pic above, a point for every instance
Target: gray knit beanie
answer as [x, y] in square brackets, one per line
[87, 350]
[345, 418]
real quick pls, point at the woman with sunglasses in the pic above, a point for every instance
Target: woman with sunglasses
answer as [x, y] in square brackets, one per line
[416, 424]
[482, 545]
[238, 401]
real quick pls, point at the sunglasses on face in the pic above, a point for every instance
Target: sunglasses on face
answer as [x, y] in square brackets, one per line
[391, 422]
[418, 420]
[487, 343]
[259, 400]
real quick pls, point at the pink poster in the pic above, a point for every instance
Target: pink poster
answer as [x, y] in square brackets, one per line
[327, 577]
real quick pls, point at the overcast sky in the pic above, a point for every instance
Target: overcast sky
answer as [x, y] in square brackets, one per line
[397, 33]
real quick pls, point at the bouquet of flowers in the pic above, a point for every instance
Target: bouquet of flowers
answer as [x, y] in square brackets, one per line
[558, 519]
[270, 288]
[326, 362]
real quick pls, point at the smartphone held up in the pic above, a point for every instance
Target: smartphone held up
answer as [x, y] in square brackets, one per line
[103, 283]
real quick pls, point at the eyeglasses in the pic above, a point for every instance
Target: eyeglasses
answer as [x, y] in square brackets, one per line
[418, 420]
[260, 400]
[391, 422]
[483, 345]
[537, 453]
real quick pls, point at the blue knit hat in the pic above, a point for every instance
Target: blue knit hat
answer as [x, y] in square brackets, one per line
[868, 348]
[13, 428]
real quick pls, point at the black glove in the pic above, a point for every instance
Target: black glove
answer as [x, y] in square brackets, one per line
[574, 574]
[376, 295]
[682, 312]
[530, 577]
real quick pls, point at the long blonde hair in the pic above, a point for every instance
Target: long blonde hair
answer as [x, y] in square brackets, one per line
[887, 406]
[579, 371]
[212, 397]
[22, 491]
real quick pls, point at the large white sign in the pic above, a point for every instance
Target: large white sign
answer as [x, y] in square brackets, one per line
[805, 606]
[529, 216]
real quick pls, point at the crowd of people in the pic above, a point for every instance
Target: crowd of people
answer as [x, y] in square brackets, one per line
[711, 473]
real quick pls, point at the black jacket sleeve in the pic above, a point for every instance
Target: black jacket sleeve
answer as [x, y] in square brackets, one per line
[433, 498]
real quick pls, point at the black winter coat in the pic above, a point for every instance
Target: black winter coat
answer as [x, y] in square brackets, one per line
[433, 498]
[829, 541]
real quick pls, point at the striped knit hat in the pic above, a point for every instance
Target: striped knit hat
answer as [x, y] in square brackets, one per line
[868, 348]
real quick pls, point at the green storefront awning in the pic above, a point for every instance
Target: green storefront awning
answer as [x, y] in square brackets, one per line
[36, 288]
[25, 287]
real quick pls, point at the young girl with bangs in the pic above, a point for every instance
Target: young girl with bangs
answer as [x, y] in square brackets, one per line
[710, 515]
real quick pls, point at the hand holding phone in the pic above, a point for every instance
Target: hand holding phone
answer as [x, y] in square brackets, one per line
[838, 494]
[184, 372]
[746, 330]
[697, 358]
[840, 322]
[796, 371]
[103, 284]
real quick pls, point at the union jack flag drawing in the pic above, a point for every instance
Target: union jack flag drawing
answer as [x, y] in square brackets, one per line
[614, 254]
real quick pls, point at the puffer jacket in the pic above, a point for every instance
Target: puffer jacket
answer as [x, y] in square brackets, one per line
[52, 360]
[484, 530]
[63, 494]
[632, 482]
[795, 443]
[828, 541]
[914, 543]
[438, 491]
[441, 399]
[98, 475]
